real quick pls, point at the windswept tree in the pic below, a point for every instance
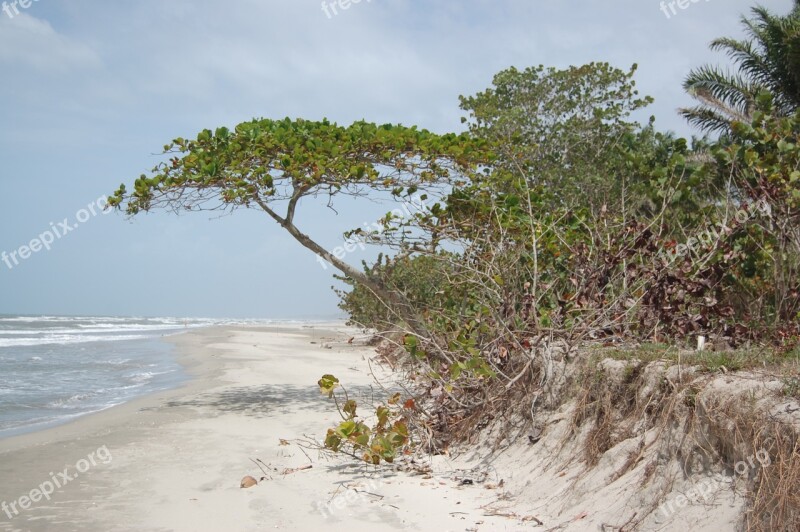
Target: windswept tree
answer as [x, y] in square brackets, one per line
[271, 165]
[767, 61]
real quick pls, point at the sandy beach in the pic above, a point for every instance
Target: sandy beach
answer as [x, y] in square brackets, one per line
[174, 460]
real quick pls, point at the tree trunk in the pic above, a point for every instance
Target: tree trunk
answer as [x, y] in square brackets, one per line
[394, 299]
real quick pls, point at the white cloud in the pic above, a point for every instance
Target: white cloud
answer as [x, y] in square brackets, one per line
[29, 42]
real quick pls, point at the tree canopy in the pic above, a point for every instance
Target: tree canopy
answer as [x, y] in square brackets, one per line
[272, 164]
[561, 129]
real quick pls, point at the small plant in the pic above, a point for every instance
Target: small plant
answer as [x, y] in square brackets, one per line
[721, 360]
[791, 387]
[690, 397]
[388, 436]
[630, 372]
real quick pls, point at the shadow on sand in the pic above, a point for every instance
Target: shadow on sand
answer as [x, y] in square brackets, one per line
[261, 401]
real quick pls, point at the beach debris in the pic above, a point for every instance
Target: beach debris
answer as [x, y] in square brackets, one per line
[248, 482]
[533, 518]
[614, 528]
[496, 512]
[471, 477]
[535, 436]
[350, 341]
[414, 467]
[291, 470]
[283, 442]
[261, 465]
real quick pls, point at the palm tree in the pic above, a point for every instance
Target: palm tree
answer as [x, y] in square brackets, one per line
[769, 61]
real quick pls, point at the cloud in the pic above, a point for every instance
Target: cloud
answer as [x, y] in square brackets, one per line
[29, 42]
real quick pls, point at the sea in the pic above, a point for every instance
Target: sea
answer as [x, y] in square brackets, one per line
[55, 368]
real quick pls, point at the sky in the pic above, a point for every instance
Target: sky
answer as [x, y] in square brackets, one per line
[91, 90]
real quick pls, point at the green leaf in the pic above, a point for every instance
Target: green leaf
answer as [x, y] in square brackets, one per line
[410, 342]
[349, 408]
[382, 414]
[327, 384]
[346, 428]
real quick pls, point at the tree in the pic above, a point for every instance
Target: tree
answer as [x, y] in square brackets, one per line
[769, 61]
[271, 165]
[560, 129]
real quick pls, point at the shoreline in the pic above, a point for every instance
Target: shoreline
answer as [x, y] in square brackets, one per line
[178, 381]
[186, 363]
[173, 460]
[193, 368]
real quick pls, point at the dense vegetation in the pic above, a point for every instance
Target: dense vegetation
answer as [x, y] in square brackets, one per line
[554, 221]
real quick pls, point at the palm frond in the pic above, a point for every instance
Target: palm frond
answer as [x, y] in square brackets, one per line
[706, 119]
[750, 61]
[768, 60]
[722, 90]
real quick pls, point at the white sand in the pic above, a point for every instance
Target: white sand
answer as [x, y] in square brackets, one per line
[176, 458]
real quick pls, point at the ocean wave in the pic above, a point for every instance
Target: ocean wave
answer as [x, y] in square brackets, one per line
[85, 329]
[146, 376]
[113, 327]
[113, 362]
[55, 368]
[34, 319]
[67, 339]
[72, 401]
